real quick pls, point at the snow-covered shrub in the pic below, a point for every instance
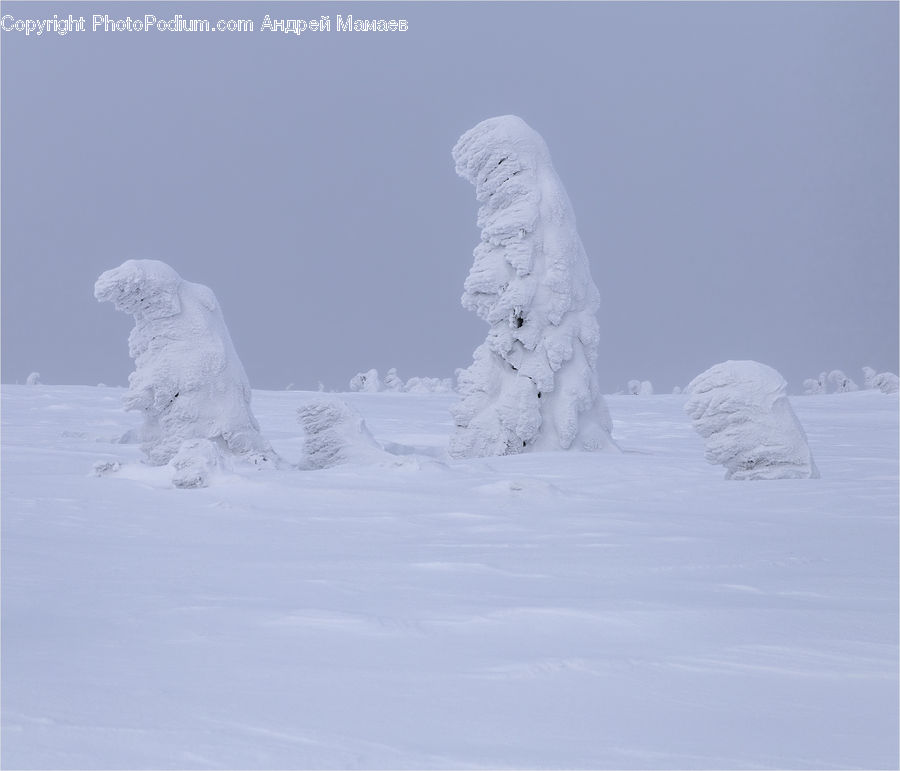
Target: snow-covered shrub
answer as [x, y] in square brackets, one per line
[742, 411]
[533, 383]
[33, 379]
[335, 434]
[640, 388]
[884, 381]
[428, 385]
[842, 383]
[188, 381]
[366, 381]
[812, 386]
[392, 381]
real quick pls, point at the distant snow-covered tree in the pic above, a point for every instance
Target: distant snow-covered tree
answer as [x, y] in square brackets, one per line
[392, 381]
[869, 376]
[676, 390]
[887, 382]
[428, 385]
[883, 381]
[742, 411]
[366, 381]
[188, 381]
[842, 383]
[812, 386]
[640, 388]
[33, 379]
[533, 382]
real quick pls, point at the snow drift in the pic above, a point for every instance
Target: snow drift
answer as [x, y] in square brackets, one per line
[533, 382]
[741, 409]
[188, 381]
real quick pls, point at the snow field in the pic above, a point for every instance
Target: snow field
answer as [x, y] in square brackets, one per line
[588, 610]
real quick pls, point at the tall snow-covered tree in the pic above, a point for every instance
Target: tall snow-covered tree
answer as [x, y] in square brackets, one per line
[533, 382]
[188, 382]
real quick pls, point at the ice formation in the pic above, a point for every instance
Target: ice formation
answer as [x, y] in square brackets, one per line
[741, 409]
[188, 381]
[336, 434]
[533, 382]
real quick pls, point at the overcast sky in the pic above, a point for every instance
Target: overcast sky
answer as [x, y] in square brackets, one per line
[733, 168]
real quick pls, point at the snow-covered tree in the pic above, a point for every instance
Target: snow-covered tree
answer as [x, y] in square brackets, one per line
[533, 382]
[428, 385]
[869, 375]
[742, 411]
[392, 381]
[188, 381]
[33, 379]
[887, 382]
[813, 386]
[366, 381]
[676, 390]
[336, 434]
[842, 383]
[640, 388]
[884, 381]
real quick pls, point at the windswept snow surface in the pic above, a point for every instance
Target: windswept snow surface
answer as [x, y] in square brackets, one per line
[535, 610]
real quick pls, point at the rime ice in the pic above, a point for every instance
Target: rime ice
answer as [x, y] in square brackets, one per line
[533, 383]
[188, 381]
[741, 409]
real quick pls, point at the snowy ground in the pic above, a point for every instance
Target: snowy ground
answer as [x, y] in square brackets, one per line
[545, 610]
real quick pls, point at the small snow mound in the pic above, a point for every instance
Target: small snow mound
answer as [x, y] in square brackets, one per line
[337, 434]
[104, 468]
[195, 462]
[741, 409]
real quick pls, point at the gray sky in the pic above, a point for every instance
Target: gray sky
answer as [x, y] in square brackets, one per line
[733, 168]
